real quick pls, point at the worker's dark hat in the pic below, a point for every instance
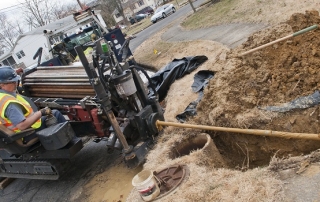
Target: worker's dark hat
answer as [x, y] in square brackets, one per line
[8, 75]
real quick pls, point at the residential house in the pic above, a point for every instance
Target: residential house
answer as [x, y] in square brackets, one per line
[27, 44]
[130, 7]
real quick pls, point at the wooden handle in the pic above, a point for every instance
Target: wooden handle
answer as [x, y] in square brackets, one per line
[281, 39]
[270, 133]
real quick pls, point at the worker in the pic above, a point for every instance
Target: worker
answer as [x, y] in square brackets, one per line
[93, 37]
[16, 112]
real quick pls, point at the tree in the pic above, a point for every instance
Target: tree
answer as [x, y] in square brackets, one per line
[8, 32]
[111, 6]
[191, 4]
[132, 5]
[18, 26]
[107, 9]
[62, 10]
[38, 12]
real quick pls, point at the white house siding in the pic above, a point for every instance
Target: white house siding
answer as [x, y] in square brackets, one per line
[29, 44]
[151, 3]
[119, 19]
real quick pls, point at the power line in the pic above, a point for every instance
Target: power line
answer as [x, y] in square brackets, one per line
[11, 6]
[14, 7]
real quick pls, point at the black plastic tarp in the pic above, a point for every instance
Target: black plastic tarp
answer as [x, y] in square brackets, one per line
[299, 103]
[201, 79]
[178, 68]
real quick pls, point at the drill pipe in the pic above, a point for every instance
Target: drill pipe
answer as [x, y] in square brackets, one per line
[269, 133]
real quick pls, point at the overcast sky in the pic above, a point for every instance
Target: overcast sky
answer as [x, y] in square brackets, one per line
[10, 7]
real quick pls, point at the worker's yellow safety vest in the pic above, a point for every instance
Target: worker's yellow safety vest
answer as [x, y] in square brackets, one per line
[5, 100]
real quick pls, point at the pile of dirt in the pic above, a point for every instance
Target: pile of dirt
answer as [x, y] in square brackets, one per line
[276, 74]
[271, 76]
[284, 71]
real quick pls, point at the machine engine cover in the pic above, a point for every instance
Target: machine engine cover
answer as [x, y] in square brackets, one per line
[56, 136]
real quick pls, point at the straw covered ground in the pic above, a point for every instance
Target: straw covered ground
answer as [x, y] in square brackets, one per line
[246, 167]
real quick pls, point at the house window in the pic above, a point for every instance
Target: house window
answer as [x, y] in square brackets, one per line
[140, 3]
[9, 61]
[20, 54]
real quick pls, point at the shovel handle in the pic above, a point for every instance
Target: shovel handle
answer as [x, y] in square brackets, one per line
[281, 39]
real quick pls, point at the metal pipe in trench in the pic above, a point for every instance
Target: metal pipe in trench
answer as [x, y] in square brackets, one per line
[270, 133]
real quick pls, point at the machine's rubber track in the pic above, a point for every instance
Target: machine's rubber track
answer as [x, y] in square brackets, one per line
[39, 169]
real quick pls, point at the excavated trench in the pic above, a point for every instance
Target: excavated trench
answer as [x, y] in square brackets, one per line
[185, 148]
[246, 152]
[236, 151]
[272, 76]
[236, 97]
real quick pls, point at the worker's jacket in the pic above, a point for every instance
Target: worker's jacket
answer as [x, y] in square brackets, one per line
[5, 100]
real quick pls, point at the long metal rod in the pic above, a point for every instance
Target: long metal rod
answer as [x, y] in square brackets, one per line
[64, 90]
[270, 133]
[63, 77]
[57, 84]
[59, 67]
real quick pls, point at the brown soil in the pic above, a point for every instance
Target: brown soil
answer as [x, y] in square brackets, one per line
[113, 185]
[272, 76]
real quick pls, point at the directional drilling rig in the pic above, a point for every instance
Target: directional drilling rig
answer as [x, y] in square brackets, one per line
[106, 99]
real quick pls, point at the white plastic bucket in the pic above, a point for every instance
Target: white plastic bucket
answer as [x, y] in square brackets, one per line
[146, 185]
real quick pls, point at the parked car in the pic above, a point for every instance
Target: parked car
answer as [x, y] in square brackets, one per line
[142, 15]
[138, 18]
[147, 10]
[162, 12]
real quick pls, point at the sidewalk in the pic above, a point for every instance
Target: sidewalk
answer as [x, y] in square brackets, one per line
[230, 35]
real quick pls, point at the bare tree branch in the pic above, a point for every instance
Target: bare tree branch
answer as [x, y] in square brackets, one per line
[18, 27]
[38, 12]
[61, 10]
[112, 5]
[8, 33]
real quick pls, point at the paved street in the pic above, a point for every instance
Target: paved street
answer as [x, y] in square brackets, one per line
[230, 35]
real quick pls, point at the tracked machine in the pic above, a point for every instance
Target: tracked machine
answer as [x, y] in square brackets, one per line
[106, 99]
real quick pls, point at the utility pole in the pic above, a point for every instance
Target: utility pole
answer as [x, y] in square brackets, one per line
[190, 2]
[80, 4]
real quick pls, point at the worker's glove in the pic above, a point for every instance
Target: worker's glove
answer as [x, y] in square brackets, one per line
[45, 111]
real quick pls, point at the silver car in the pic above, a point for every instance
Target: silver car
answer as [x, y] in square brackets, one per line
[162, 12]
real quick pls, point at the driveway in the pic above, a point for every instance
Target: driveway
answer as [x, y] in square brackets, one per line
[230, 35]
